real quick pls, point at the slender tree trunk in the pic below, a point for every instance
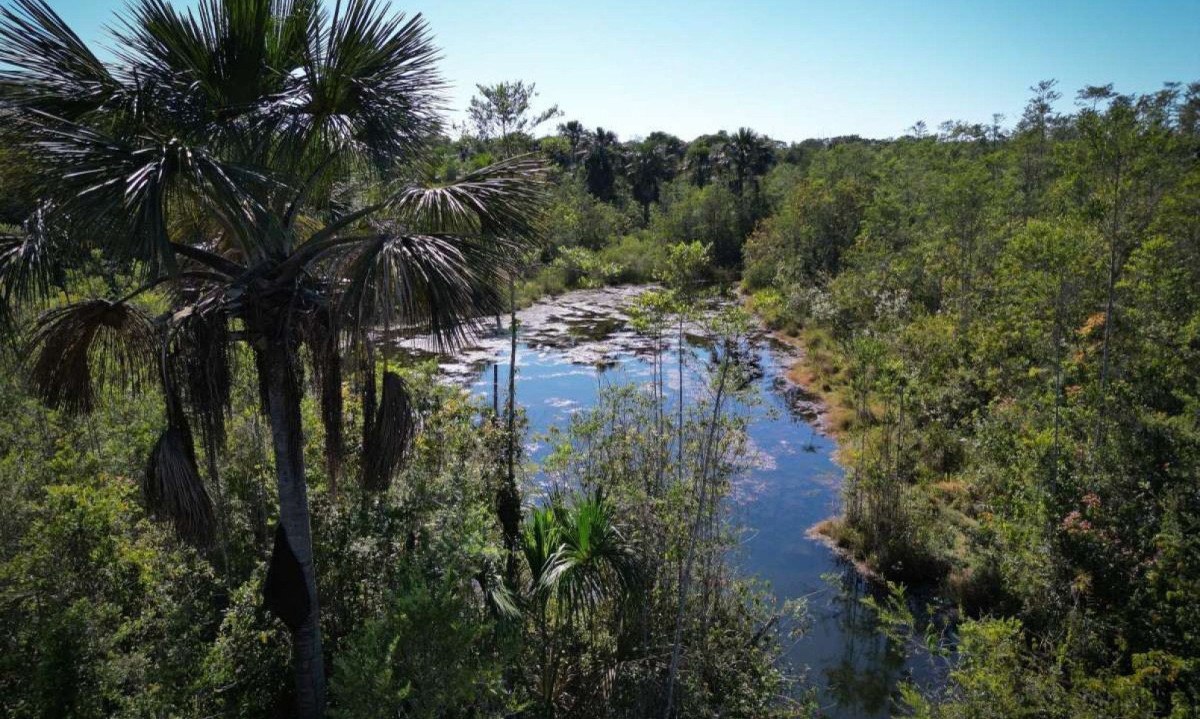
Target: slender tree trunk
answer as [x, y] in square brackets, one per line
[1110, 303]
[1057, 339]
[1109, 309]
[685, 580]
[512, 381]
[664, 440]
[368, 393]
[283, 394]
[679, 356]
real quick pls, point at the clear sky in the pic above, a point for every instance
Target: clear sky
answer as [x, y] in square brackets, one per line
[792, 68]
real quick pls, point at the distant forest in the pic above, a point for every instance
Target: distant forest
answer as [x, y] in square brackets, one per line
[222, 498]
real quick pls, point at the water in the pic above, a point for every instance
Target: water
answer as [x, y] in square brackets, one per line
[572, 346]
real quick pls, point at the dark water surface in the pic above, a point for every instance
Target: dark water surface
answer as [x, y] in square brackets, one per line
[571, 346]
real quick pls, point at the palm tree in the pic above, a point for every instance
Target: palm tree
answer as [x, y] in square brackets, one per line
[601, 163]
[746, 155]
[593, 561]
[575, 134]
[698, 161]
[578, 559]
[648, 169]
[255, 165]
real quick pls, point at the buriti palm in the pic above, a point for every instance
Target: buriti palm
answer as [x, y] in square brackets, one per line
[255, 167]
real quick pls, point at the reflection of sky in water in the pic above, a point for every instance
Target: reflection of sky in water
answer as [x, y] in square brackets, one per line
[790, 483]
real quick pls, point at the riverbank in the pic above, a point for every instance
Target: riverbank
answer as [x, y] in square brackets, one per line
[824, 373]
[821, 369]
[820, 372]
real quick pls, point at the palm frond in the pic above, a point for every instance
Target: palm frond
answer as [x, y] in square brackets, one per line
[393, 430]
[539, 542]
[500, 200]
[220, 50]
[441, 285]
[127, 185]
[373, 85]
[44, 66]
[593, 562]
[32, 260]
[173, 489]
[437, 264]
[79, 349]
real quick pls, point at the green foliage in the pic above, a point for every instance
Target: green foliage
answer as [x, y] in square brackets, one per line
[583, 268]
[591, 561]
[503, 114]
[1016, 357]
[431, 654]
[1001, 676]
[709, 215]
[806, 236]
[104, 612]
[574, 218]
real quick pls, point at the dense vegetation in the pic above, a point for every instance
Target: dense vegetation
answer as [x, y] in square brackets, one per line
[225, 499]
[1008, 326]
[615, 208]
[202, 242]
[1004, 323]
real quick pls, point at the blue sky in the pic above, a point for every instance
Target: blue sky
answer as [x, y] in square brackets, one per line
[793, 68]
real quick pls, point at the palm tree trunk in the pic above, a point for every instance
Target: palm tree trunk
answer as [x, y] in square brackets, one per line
[1109, 309]
[283, 396]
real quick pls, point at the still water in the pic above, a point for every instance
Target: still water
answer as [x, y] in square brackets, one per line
[571, 346]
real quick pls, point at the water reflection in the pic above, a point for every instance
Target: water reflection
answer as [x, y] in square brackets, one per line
[862, 681]
[572, 346]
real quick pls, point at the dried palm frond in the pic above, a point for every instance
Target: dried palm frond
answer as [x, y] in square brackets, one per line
[202, 364]
[498, 597]
[79, 349]
[320, 334]
[392, 434]
[173, 489]
[367, 382]
[261, 370]
[330, 378]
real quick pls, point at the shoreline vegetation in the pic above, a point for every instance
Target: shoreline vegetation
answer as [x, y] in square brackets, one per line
[818, 378]
[974, 305]
[223, 501]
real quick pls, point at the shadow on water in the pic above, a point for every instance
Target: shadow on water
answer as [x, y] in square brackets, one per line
[863, 679]
[572, 345]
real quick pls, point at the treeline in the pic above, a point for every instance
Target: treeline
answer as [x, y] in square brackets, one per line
[1007, 323]
[617, 206]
